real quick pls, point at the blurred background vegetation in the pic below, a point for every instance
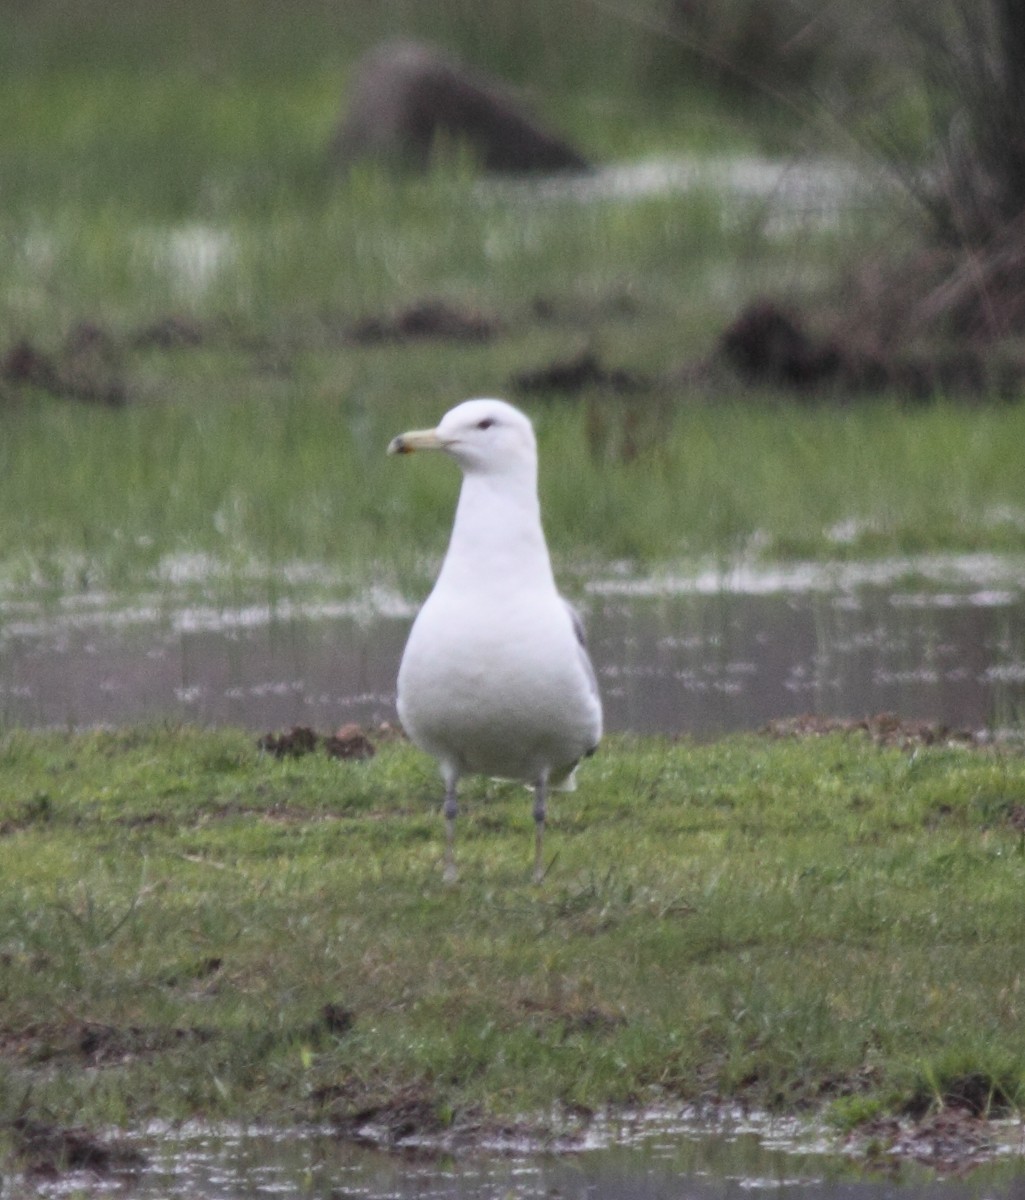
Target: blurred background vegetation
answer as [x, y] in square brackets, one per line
[147, 99]
[170, 216]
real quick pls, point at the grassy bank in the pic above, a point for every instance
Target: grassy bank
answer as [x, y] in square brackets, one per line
[103, 500]
[190, 929]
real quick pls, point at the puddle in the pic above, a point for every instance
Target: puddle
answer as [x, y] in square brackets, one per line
[651, 1157]
[791, 194]
[709, 653]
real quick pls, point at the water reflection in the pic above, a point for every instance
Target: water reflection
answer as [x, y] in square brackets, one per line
[708, 665]
[660, 1160]
[693, 659]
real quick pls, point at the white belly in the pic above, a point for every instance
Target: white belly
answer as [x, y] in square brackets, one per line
[502, 692]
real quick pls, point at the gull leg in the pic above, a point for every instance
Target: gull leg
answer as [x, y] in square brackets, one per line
[451, 810]
[540, 812]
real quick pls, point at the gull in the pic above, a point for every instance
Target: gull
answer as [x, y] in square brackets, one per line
[495, 679]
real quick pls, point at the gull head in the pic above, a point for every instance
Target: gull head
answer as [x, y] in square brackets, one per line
[483, 436]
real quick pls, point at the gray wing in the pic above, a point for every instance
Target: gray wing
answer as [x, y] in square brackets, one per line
[585, 658]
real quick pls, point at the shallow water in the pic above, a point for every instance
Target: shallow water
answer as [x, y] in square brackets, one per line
[653, 1157]
[704, 654]
[787, 195]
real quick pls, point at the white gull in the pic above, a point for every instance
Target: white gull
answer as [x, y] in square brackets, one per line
[495, 678]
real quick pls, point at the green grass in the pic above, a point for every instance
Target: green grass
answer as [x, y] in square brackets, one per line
[796, 925]
[175, 164]
[793, 924]
[96, 499]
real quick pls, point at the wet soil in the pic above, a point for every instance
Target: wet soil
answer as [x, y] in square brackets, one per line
[407, 1128]
[577, 372]
[350, 741]
[424, 320]
[88, 368]
[43, 1150]
[953, 1142]
[883, 729]
[770, 345]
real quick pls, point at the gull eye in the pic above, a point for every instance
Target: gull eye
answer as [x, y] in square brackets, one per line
[486, 423]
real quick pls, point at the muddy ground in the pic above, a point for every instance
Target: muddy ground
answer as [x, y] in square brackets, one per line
[767, 348]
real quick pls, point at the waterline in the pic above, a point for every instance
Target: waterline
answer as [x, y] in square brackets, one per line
[702, 651]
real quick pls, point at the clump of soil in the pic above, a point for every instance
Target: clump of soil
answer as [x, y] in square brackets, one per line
[87, 368]
[952, 1141]
[767, 345]
[770, 345]
[293, 743]
[425, 319]
[46, 1150]
[409, 1121]
[572, 375]
[171, 332]
[386, 1125]
[884, 729]
[96, 1044]
[337, 1019]
[349, 742]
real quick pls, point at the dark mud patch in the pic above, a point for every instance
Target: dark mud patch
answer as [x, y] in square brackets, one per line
[883, 729]
[172, 332]
[89, 367]
[35, 810]
[411, 1123]
[772, 346]
[43, 1150]
[578, 372]
[336, 1019]
[94, 1044]
[349, 742]
[953, 1142]
[402, 1121]
[425, 320]
[976, 1093]
[293, 743]
[766, 345]
[92, 364]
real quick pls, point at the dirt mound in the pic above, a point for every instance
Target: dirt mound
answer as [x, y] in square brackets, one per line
[46, 1150]
[88, 367]
[422, 320]
[409, 100]
[349, 742]
[770, 345]
[171, 332]
[953, 1141]
[573, 374]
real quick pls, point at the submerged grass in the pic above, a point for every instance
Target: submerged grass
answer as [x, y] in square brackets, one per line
[190, 929]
